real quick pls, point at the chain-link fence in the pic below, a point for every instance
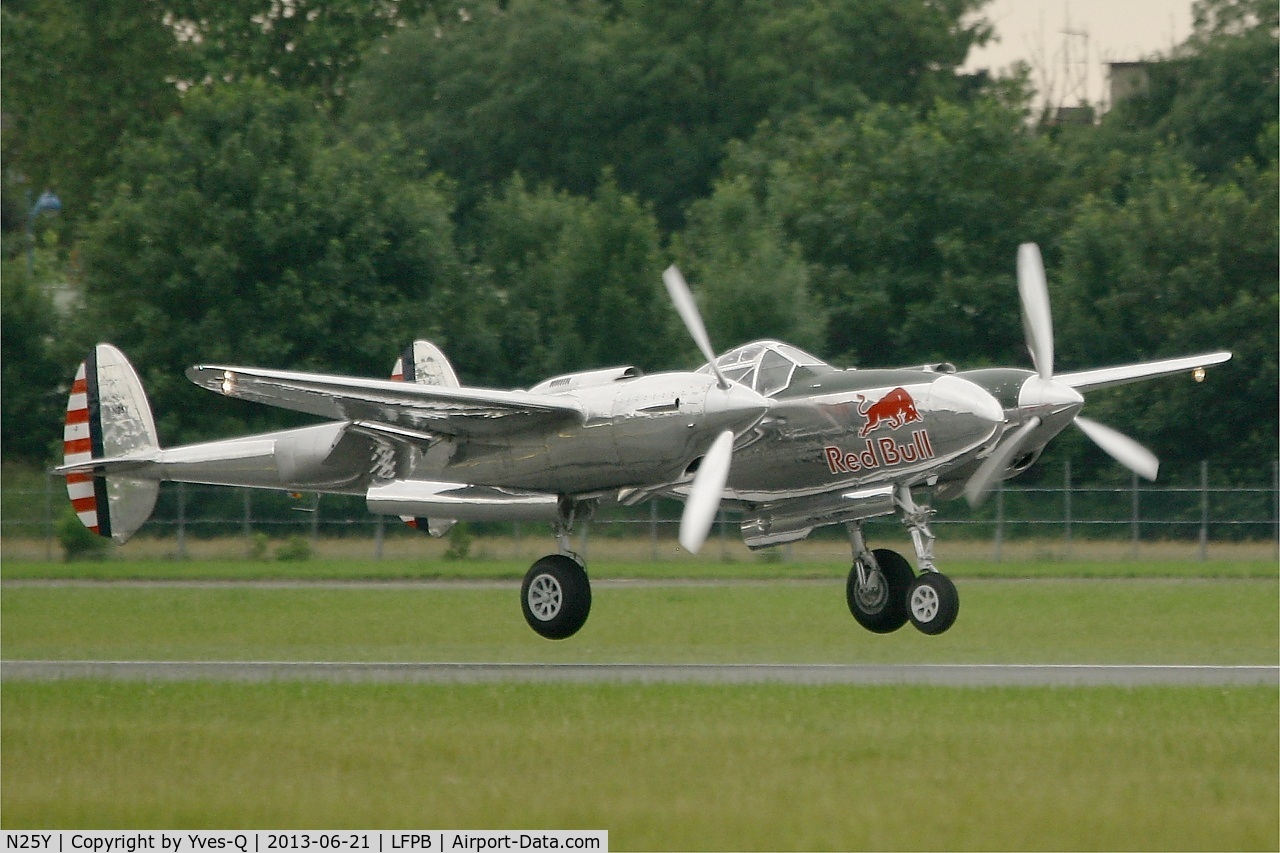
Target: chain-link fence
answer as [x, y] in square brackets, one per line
[1198, 512]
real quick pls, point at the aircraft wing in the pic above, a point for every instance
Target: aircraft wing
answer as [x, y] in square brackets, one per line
[402, 409]
[1088, 380]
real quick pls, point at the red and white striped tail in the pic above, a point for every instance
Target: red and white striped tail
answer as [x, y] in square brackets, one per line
[109, 428]
[77, 448]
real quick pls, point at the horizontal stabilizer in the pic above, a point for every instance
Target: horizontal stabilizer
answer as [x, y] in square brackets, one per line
[114, 465]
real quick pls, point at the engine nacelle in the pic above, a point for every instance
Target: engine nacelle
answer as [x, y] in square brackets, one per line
[585, 379]
[460, 502]
[768, 526]
[300, 454]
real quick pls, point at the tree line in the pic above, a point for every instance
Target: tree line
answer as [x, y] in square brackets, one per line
[313, 183]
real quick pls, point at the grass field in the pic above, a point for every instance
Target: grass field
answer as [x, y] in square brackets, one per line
[660, 766]
[1001, 621]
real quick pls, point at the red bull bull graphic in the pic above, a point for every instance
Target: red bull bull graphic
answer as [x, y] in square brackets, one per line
[896, 409]
[881, 452]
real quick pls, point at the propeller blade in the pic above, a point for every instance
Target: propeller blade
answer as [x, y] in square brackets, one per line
[979, 485]
[1121, 448]
[687, 308]
[704, 496]
[1037, 321]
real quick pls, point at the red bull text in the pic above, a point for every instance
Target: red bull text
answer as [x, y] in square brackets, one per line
[879, 453]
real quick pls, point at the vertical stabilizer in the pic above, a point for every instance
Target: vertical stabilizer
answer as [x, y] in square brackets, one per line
[424, 363]
[109, 418]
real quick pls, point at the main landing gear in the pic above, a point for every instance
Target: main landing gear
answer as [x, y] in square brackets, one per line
[556, 593]
[882, 591]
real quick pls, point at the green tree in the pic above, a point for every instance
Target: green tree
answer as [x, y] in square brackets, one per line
[910, 224]
[309, 46]
[1180, 266]
[750, 282]
[32, 367]
[76, 77]
[578, 282]
[560, 90]
[242, 233]
[523, 88]
[1216, 95]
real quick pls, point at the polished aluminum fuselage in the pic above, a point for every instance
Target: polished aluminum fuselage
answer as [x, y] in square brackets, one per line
[644, 432]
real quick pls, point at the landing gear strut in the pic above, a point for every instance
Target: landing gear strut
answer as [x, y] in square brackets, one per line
[882, 591]
[556, 593]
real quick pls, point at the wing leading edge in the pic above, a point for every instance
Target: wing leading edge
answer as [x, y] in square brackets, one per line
[426, 408]
[1106, 377]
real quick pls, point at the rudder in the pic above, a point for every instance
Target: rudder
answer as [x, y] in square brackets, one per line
[109, 419]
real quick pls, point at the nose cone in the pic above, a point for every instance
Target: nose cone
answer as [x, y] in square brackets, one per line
[1048, 398]
[954, 394]
[734, 408]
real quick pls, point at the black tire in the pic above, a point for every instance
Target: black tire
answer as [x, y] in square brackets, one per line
[933, 603]
[881, 607]
[556, 597]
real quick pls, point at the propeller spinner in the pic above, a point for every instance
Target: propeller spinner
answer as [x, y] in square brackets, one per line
[1042, 396]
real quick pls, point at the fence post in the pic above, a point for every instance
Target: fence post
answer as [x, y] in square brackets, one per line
[182, 521]
[1066, 505]
[48, 517]
[246, 523]
[999, 519]
[1133, 517]
[1204, 510]
[724, 542]
[653, 529]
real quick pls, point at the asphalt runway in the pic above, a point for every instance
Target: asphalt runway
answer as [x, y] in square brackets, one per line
[948, 675]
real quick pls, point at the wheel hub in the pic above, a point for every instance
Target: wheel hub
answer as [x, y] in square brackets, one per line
[873, 594]
[924, 603]
[545, 597]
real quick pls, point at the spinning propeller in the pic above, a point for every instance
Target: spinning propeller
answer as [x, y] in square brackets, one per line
[1046, 395]
[713, 472]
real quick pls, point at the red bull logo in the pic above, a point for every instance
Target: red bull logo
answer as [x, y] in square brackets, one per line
[896, 409]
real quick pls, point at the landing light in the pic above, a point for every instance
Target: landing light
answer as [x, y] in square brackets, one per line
[1198, 374]
[228, 381]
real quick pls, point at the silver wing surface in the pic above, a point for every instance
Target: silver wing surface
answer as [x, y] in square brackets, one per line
[401, 410]
[1106, 377]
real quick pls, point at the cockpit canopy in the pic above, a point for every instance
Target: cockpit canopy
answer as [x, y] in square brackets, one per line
[768, 367]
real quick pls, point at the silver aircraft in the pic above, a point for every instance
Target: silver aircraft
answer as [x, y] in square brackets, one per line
[767, 430]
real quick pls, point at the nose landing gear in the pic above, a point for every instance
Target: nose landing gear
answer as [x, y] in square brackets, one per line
[882, 591]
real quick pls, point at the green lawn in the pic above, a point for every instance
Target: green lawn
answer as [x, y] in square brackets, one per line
[761, 567]
[1055, 621]
[660, 767]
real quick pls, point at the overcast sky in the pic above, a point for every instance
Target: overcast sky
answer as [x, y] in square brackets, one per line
[1101, 31]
